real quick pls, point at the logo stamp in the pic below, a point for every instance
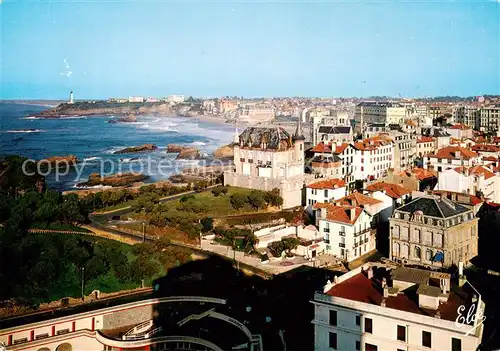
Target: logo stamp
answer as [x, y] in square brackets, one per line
[471, 318]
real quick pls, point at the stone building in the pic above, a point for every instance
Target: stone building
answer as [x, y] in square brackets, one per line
[433, 231]
[268, 158]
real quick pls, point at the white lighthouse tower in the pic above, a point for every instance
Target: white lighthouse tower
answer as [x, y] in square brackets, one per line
[70, 97]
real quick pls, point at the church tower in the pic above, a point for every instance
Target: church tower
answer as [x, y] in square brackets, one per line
[299, 140]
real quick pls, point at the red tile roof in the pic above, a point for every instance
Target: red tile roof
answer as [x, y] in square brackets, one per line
[340, 148]
[327, 184]
[474, 200]
[450, 152]
[360, 288]
[395, 191]
[322, 147]
[476, 170]
[357, 199]
[490, 158]
[420, 173]
[486, 148]
[460, 126]
[372, 143]
[340, 213]
[424, 139]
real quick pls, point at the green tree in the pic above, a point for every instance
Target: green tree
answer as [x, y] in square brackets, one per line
[207, 223]
[238, 201]
[256, 199]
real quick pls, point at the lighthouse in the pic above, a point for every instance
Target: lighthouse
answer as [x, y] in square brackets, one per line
[70, 97]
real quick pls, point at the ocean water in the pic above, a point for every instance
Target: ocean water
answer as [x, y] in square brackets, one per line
[93, 140]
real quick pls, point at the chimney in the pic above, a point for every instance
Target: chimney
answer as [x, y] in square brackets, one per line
[457, 154]
[370, 273]
[438, 314]
[386, 292]
[382, 303]
[384, 282]
[353, 214]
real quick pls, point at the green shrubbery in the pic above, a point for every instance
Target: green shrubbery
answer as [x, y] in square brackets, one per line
[284, 245]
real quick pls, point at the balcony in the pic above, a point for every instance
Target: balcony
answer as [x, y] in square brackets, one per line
[363, 232]
[342, 233]
[326, 230]
[341, 245]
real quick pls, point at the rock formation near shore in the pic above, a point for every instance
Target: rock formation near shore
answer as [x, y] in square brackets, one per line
[129, 119]
[184, 152]
[225, 151]
[61, 160]
[124, 179]
[136, 149]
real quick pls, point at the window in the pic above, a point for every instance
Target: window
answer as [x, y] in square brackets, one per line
[326, 192]
[250, 160]
[401, 333]
[327, 238]
[370, 347]
[332, 342]
[426, 339]
[358, 320]
[333, 317]
[456, 344]
[368, 325]
[358, 345]
[418, 253]
[242, 159]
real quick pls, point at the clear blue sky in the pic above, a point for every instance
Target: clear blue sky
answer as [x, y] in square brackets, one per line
[155, 48]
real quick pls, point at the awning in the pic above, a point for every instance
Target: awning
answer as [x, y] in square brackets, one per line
[438, 257]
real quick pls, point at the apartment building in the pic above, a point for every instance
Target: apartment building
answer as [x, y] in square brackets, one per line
[324, 191]
[489, 118]
[256, 114]
[487, 150]
[433, 231]
[451, 157]
[467, 115]
[405, 150]
[135, 99]
[425, 145]
[346, 228]
[477, 180]
[460, 131]
[367, 113]
[341, 134]
[374, 156]
[378, 307]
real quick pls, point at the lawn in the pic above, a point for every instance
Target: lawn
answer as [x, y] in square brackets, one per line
[217, 206]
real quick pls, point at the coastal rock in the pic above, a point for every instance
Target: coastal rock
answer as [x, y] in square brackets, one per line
[124, 179]
[136, 149]
[60, 160]
[129, 119]
[184, 152]
[225, 151]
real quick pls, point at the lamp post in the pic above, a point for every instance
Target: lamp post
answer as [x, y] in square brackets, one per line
[83, 274]
[143, 231]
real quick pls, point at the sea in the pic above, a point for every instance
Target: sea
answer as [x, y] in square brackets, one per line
[93, 140]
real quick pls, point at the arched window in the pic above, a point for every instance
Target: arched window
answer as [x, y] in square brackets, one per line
[396, 249]
[64, 347]
[428, 255]
[418, 253]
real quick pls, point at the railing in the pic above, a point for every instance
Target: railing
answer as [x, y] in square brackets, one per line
[341, 245]
[363, 232]
[326, 230]
[342, 233]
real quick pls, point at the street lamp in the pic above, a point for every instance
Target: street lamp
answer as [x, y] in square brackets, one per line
[143, 231]
[83, 274]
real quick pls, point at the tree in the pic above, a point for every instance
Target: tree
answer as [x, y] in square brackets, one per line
[219, 190]
[207, 224]
[256, 199]
[290, 244]
[273, 198]
[238, 201]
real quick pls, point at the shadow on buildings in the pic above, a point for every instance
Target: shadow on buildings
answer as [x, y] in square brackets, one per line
[265, 306]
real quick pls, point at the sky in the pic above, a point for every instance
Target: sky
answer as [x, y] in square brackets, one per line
[102, 49]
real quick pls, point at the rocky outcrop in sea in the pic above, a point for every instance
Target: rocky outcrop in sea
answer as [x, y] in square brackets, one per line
[184, 152]
[137, 149]
[124, 179]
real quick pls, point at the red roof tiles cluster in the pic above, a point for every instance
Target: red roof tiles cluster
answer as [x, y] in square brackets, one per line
[357, 199]
[454, 152]
[476, 170]
[394, 191]
[420, 173]
[340, 213]
[460, 126]
[425, 139]
[485, 148]
[327, 184]
[372, 143]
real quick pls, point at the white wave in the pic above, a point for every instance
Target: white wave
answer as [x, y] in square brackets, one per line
[92, 158]
[73, 117]
[92, 187]
[26, 131]
[113, 149]
[198, 143]
[31, 117]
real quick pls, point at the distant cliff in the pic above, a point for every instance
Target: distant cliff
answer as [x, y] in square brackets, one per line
[102, 108]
